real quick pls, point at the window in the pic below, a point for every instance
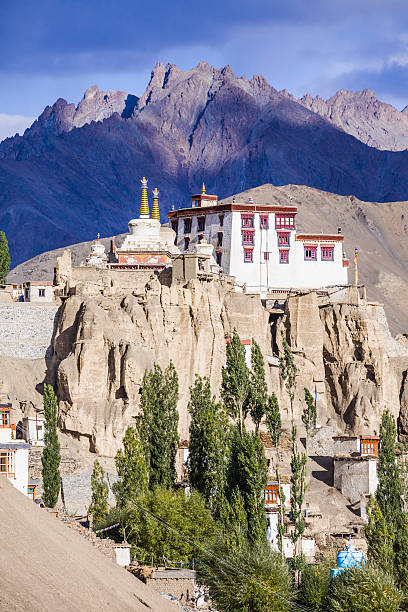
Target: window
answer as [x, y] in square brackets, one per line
[187, 226]
[200, 224]
[218, 257]
[284, 256]
[7, 463]
[5, 417]
[186, 243]
[310, 252]
[248, 255]
[220, 236]
[327, 253]
[264, 221]
[41, 293]
[247, 220]
[369, 447]
[283, 238]
[266, 255]
[285, 220]
[271, 494]
[247, 237]
[174, 226]
[221, 217]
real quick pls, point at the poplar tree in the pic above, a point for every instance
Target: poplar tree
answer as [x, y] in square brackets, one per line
[235, 523]
[131, 468]
[288, 372]
[236, 381]
[248, 473]
[258, 393]
[99, 502]
[379, 537]
[298, 482]
[389, 490]
[274, 425]
[4, 257]
[208, 449]
[158, 424]
[51, 456]
[309, 414]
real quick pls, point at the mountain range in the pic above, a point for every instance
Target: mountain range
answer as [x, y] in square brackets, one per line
[76, 171]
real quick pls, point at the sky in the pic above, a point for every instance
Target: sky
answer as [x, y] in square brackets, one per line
[58, 48]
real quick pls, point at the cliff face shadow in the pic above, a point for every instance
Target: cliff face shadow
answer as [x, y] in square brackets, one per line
[130, 104]
[326, 474]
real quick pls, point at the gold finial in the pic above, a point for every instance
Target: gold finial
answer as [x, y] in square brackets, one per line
[203, 190]
[155, 207]
[98, 236]
[144, 204]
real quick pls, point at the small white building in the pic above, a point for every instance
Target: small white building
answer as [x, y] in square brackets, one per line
[258, 244]
[33, 430]
[13, 453]
[38, 291]
[355, 466]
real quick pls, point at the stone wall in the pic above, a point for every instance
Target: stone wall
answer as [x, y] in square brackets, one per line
[26, 329]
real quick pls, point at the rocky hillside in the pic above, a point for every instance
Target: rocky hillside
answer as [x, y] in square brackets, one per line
[76, 172]
[379, 230]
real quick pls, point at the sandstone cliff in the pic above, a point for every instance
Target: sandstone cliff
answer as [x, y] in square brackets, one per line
[104, 343]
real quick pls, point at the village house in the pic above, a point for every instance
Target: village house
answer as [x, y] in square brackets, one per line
[33, 430]
[13, 452]
[355, 466]
[38, 292]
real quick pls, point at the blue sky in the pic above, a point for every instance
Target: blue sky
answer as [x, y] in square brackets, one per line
[58, 48]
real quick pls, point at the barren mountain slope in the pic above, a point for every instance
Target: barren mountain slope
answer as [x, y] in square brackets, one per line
[364, 116]
[64, 180]
[378, 230]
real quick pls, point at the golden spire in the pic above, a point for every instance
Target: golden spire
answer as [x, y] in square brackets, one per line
[203, 190]
[144, 204]
[155, 207]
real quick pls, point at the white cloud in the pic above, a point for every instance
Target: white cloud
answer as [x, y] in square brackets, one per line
[13, 124]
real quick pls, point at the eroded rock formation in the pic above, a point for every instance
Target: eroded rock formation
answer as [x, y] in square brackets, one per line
[104, 343]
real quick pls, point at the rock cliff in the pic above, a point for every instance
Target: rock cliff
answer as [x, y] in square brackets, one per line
[342, 347]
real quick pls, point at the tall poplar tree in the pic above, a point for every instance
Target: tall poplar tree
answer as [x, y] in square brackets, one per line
[236, 381]
[51, 456]
[288, 372]
[99, 487]
[389, 490]
[209, 441]
[159, 422]
[309, 414]
[258, 392]
[4, 257]
[248, 473]
[131, 468]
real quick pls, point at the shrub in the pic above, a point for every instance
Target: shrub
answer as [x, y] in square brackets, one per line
[314, 588]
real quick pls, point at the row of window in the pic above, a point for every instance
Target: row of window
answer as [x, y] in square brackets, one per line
[188, 224]
[327, 254]
[200, 237]
[248, 238]
[282, 220]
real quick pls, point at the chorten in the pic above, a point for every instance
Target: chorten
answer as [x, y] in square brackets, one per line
[147, 245]
[97, 256]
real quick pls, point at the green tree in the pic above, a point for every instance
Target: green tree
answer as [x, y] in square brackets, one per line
[389, 490]
[252, 579]
[4, 258]
[273, 420]
[298, 482]
[401, 555]
[99, 502]
[51, 456]
[315, 584]
[362, 589]
[258, 391]
[234, 521]
[236, 381]
[158, 521]
[380, 538]
[288, 372]
[131, 468]
[248, 472]
[309, 414]
[209, 442]
[158, 424]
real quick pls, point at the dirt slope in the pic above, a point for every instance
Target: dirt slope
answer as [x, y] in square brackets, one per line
[46, 566]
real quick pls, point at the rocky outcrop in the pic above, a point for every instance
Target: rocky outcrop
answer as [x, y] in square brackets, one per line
[105, 343]
[189, 126]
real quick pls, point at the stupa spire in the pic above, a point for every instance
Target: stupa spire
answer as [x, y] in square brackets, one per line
[144, 204]
[203, 190]
[155, 207]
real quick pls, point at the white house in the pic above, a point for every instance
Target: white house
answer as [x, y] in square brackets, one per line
[33, 430]
[259, 245]
[13, 453]
[38, 291]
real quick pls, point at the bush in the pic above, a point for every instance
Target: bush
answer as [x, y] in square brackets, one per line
[363, 589]
[315, 582]
[251, 579]
[188, 515]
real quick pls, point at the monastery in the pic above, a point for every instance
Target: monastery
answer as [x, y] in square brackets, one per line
[255, 245]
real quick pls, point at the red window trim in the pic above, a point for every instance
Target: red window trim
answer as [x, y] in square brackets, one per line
[247, 217]
[248, 251]
[329, 255]
[284, 220]
[285, 253]
[311, 247]
[281, 235]
[250, 235]
[264, 221]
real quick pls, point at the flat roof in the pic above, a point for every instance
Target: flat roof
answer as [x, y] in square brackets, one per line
[231, 207]
[319, 237]
[14, 444]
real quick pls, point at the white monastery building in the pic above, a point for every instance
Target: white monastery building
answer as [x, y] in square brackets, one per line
[259, 245]
[13, 453]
